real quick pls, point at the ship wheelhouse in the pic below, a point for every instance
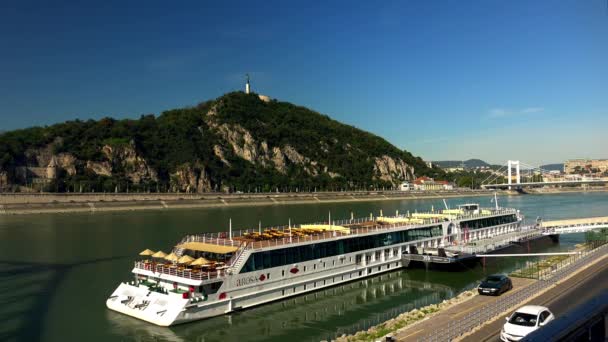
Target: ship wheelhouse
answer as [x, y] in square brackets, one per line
[484, 222]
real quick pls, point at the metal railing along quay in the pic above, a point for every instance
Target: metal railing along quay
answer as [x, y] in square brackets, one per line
[458, 328]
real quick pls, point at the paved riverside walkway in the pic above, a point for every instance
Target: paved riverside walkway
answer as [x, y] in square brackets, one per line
[493, 310]
[584, 284]
[440, 320]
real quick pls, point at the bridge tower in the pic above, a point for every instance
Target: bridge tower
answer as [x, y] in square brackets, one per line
[510, 165]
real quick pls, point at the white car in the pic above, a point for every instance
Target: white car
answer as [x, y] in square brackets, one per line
[524, 321]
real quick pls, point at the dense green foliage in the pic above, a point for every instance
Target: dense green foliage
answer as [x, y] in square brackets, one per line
[553, 167]
[468, 164]
[473, 179]
[185, 137]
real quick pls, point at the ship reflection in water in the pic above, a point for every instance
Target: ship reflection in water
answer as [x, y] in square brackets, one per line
[311, 317]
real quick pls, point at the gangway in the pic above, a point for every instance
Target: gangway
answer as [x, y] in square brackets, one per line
[525, 254]
[481, 248]
[573, 225]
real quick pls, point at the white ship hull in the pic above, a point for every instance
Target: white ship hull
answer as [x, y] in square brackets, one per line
[168, 296]
[170, 309]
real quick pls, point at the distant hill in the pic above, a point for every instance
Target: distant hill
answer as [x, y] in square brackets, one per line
[471, 163]
[237, 142]
[553, 167]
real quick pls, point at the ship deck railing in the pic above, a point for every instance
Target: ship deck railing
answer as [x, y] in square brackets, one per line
[358, 226]
[189, 273]
[486, 245]
[238, 236]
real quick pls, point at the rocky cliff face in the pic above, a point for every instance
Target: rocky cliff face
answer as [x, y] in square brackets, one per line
[189, 178]
[4, 179]
[44, 162]
[67, 162]
[244, 145]
[123, 159]
[103, 168]
[392, 170]
[126, 158]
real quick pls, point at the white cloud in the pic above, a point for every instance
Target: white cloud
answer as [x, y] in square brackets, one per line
[530, 110]
[497, 112]
[502, 112]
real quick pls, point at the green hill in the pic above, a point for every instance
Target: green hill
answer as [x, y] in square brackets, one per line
[469, 164]
[236, 142]
[553, 167]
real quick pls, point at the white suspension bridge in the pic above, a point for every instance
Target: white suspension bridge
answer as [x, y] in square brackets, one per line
[532, 177]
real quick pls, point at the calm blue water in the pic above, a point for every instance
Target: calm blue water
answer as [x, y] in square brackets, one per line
[57, 270]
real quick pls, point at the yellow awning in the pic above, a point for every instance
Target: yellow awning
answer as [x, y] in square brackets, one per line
[159, 254]
[185, 259]
[399, 220]
[200, 261]
[208, 247]
[146, 252]
[433, 215]
[171, 257]
[321, 227]
[452, 211]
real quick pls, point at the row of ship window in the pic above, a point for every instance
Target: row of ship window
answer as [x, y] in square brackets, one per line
[388, 253]
[297, 254]
[488, 222]
[293, 255]
[313, 285]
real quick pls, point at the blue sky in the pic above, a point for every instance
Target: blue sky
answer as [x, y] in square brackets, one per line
[495, 80]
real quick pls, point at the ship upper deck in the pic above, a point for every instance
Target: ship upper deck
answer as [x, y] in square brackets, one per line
[222, 250]
[230, 242]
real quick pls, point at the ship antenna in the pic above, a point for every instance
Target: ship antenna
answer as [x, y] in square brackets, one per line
[496, 200]
[230, 228]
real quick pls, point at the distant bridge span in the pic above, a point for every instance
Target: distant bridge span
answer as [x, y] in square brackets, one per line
[536, 184]
[514, 180]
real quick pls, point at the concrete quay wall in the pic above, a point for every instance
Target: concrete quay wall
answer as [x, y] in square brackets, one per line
[22, 203]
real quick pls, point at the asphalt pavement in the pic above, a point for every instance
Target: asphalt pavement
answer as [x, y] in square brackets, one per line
[441, 320]
[565, 296]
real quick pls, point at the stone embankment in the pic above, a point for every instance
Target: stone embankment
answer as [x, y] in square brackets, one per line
[407, 319]
[30, 203]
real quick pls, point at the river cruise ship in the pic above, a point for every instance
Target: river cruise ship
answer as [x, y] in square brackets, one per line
[208, 275]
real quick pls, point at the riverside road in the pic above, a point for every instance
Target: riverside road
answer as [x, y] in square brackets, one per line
[560, 299]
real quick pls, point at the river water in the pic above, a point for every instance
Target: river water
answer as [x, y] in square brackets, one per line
[57, 270]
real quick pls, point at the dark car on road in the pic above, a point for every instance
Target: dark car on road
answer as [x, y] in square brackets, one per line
[495, 285]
